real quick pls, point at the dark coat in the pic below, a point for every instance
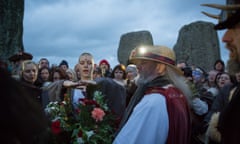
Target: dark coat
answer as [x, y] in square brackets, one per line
[32, 90]
[115, 94]
[229, 121]
[220, 102]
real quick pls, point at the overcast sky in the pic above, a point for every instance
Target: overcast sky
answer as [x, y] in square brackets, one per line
[63, 29]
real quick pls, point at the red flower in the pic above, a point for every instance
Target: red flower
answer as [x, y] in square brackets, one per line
[98, 114]
[85, 101]
[80, 133]
[78, 110]
[55, 127]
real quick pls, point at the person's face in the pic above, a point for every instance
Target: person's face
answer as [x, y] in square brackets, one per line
[64, 67]
[146, 69]
[86, 67]
[70, 76]
[232, 40]
[223, 80]
[212, 76]
[181, 65]
[237, 75]
[104, 66]
[130, 75]
[218, 66]
[77, 70]
[30, 73]
[44, 74]
[43, 63]
[96, 75]
[56, 76]
[118, 74]
[197, 76]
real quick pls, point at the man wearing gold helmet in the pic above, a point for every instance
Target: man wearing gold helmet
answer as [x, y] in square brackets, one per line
[229, 120]
[158, 112]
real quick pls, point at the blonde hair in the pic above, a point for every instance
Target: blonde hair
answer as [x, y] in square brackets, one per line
[73, 73]
[88, 54]
[23, 65]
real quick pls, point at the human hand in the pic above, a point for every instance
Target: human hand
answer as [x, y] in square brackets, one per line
[87, 82]
[68, 83]
[200, 107]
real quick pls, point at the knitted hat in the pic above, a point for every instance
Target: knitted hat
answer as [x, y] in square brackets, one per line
[63, 62]
[104, 61]
[131, 67]
[159, 54]
[229, 16]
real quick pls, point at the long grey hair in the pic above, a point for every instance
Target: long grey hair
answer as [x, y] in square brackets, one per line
[179, 81]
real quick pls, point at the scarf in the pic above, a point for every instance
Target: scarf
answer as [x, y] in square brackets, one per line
[138, 95]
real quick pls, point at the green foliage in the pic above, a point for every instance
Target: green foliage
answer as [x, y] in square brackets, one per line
[90, 123]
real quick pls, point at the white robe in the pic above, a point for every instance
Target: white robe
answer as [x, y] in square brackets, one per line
[77, 94]
[148, 123]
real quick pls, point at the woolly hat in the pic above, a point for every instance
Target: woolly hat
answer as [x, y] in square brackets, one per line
[104, 61]
[159, 54]
[229, 16]
[131, 67]
[63, 62]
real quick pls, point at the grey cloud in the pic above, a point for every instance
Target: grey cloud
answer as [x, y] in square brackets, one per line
[63, 29]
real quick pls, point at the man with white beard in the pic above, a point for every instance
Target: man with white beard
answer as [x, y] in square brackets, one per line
[158, 112]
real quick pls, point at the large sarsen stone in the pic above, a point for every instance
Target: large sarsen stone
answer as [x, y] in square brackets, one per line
[131, 40]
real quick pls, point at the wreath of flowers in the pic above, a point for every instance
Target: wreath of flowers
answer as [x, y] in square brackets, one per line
[91, 122]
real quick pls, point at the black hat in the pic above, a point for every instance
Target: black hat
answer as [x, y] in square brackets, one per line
[64, 62]
[20, 56]
[229, 16]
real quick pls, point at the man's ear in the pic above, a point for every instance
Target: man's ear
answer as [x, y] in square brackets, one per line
[161, 68]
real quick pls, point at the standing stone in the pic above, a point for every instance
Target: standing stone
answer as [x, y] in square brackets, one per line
[131, 40]
[11, 27]
[198, 45]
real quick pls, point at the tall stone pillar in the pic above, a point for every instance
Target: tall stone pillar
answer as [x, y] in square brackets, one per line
[11, 27]
[131, 40]
[198, 45]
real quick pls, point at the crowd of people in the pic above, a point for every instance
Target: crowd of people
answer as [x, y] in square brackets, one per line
[155, 98]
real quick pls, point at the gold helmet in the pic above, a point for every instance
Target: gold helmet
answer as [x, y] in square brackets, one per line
[160, 54]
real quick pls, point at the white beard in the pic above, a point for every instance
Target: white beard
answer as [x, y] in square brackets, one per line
[142, 80]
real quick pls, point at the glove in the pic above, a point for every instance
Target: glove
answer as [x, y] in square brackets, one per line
[214, 91]
[200, 107]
